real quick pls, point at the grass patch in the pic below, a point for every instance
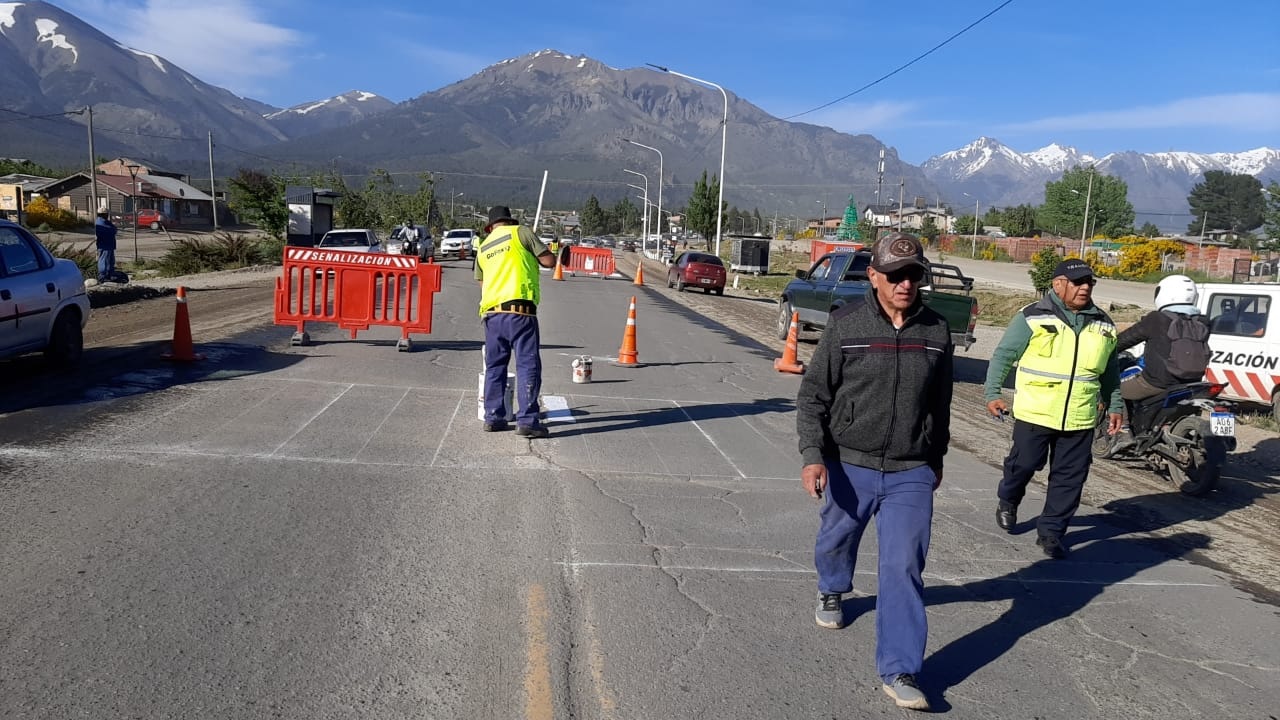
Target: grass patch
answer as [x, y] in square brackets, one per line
[224, 251]
[1262, 420]
[782, 270]
[997, 308]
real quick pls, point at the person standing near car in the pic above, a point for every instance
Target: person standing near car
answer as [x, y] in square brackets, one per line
[1067, 374]
[507, 268]
[874, 415]
[105, 232]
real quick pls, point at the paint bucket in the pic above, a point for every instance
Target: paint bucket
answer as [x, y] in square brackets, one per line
[582, 369]
[511, 401]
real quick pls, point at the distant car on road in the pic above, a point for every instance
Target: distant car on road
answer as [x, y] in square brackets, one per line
[144, 218]
[697, 269]
[352, 240]
[455, 243]
[43, 305]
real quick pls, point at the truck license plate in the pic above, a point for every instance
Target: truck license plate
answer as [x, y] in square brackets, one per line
[1222, 424]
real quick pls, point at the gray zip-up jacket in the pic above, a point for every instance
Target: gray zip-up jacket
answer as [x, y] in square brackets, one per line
[876, 396]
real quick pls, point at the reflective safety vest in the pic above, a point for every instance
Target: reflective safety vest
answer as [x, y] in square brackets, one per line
[1059, 378]
[510, 270]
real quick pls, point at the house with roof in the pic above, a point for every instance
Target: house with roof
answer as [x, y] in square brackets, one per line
[16, 191]
[125, 186]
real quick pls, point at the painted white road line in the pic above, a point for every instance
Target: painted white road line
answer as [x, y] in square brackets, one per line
[557, 409]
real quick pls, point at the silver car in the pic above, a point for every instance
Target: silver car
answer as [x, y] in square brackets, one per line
[43, 304]
[352, 240]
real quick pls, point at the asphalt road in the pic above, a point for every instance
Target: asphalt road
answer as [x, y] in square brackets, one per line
[324, 532]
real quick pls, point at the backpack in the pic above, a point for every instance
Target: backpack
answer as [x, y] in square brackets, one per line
[1188, 348]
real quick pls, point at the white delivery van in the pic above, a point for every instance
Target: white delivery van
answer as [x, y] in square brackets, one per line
[1244, 322]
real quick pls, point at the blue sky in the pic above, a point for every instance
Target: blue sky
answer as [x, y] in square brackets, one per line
[1100, 75]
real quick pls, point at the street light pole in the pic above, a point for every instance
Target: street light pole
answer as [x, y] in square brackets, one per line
[644, 241]
[133, 196]
[973, 245]
[724, 136]
[646, 147]
[452, 197]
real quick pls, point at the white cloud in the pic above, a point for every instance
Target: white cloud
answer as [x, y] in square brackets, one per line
[857, 118]
[1240, 111]
[223, 42]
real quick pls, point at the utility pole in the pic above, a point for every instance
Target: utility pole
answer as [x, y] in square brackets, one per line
[902, 186]
[1088, 195]
[93, 167]
[213, 191]
[880, 179]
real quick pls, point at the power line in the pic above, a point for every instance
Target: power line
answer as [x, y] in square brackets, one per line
[26, 116]
[900, 68]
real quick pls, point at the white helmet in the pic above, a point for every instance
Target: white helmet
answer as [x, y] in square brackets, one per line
[1176, 290]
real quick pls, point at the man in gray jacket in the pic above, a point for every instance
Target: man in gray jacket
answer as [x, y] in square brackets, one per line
[874, 415]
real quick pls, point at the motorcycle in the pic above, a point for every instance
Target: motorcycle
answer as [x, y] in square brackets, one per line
[1171, 434]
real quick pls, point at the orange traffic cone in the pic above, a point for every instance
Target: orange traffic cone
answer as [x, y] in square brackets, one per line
[627, 354]
[639, 275]
[789, 363]
[559, 273]
[183, 350]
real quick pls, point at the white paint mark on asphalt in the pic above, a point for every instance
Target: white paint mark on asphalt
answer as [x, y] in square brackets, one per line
[723, 454]
[447, 428]
[558, 410]
[312, 419]
[871, 573]
[374, 434]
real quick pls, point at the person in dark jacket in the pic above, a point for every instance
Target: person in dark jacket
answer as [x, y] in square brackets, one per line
[105, 232]
[874, 415]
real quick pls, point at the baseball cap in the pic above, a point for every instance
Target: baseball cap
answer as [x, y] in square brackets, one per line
[896, 251]
[1073, 269]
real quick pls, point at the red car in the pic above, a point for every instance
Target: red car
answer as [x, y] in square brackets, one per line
[697, 269]
[153, 219]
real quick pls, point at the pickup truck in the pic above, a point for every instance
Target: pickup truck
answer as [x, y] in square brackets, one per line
[841, 277]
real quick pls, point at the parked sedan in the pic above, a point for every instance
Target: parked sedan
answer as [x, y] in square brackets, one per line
[352, 240]
[43, 305]
[697, 269]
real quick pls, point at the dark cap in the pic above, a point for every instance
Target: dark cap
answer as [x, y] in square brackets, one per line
[498, 213]
[1073, 269]
[896, 251]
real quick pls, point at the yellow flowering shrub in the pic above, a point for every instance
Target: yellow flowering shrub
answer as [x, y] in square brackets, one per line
[42, 212]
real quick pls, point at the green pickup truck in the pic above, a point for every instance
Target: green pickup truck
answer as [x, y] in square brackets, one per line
[840, 277]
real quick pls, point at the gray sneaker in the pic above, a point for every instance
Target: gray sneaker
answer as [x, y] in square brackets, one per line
[829, 613]
[906, 693]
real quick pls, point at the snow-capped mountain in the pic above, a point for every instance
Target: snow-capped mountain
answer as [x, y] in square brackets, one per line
[54, 62]
[335, 112]
[995, 174]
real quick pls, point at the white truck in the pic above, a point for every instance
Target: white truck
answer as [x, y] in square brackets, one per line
[1245, 340]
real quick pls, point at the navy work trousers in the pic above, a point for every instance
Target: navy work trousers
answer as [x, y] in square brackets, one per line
[506, 334]
[1069, 460]
[902, 503]
[106, 264]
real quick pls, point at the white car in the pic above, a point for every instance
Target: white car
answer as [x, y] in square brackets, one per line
[352, 240]
[456, 243]
[43, 304]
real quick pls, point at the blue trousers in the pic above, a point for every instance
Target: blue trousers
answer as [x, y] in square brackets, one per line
[106, 264]
[506, 334]
[902, 503]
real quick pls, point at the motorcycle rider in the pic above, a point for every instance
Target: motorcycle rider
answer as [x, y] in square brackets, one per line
[1167, 361]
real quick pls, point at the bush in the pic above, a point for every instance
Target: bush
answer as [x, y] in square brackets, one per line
[224, 252]
[1042, 265]
[86, 258]
[271, 249]
[42, 213]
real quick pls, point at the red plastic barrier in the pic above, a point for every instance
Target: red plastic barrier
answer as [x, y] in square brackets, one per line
[590, 261]
[356, 291]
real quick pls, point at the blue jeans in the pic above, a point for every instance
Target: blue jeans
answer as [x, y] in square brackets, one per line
[505, 334]
[106, 264]
[902, 503]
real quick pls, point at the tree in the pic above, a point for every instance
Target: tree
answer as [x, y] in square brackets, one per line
[259, 198]
[849, 225]
[592, 220]
[1042, 266]
[1226, 201]
[964, 225]
[929, 229]
[1271, 215]
[1019, 221]
[702, 207]
[1110, 212]
[1149, 230]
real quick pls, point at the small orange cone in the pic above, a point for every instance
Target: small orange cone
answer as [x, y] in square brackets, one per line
[627, 354]
[639, 275]
[183, 350]
[559, 273]
[789, 363]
